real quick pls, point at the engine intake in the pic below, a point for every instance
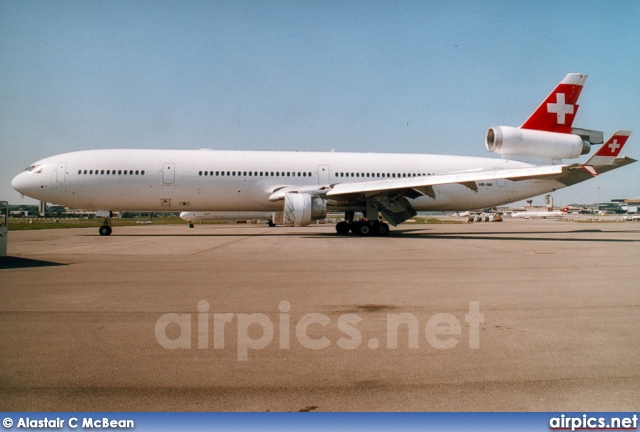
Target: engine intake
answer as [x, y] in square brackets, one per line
[512, 142]
[301, 209]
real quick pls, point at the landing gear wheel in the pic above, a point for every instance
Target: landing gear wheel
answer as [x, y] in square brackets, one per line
[271, 224]
[364, 229]
[191, 225]
[343, 227]
[381, 229]
[105, 230]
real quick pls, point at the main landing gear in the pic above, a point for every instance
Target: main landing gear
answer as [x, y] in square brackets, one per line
[362, 227]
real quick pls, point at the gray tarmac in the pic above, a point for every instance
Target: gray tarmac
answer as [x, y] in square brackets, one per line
[559, 302]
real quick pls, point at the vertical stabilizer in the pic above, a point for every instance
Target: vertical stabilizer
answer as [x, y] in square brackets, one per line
[557, 111]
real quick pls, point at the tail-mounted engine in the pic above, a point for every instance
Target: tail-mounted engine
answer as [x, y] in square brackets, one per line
[301, 209]
[512, 142]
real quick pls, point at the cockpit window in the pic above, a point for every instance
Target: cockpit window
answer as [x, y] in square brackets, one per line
[35, 168]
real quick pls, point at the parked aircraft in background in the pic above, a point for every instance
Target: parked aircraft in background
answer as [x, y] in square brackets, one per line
[192, 217]
[305, 185]
[541, 214]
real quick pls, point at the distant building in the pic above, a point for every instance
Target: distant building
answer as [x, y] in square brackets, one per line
[632, 205]
[611, 207]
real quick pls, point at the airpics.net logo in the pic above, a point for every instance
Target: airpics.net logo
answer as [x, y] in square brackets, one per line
[313, 331]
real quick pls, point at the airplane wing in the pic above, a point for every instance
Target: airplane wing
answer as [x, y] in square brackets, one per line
[390, 196]
[424, 185]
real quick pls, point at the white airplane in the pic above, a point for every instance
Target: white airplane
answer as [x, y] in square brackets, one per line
[192, 217]
[305, 185]
[541, 214]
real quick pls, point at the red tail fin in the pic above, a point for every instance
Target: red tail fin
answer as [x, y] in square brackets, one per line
[557, 111]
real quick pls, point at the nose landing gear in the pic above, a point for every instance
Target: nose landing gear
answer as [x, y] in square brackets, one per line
[105, 229]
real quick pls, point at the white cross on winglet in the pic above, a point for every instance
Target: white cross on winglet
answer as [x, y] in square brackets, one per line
[560, 108]
[614, 146]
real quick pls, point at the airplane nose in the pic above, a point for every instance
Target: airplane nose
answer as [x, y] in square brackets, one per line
[19, 182]
[25, 183]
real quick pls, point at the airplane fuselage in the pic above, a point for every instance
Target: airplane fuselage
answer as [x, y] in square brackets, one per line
[212, 180]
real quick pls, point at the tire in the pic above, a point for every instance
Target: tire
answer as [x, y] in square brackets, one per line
[343, 227]
[364, 229]
[381, 229]
[104, 230]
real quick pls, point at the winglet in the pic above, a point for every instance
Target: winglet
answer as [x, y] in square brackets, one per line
[607, 154]
[557, 111]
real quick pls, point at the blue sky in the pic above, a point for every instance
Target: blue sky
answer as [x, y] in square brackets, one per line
[373, 76]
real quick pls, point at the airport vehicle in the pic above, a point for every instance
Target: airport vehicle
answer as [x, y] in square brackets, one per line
[192, 217]
[305, 185]
[541, 214]
[483, 217]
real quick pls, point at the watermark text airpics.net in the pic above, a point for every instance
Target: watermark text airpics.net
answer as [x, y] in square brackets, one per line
[256, 331]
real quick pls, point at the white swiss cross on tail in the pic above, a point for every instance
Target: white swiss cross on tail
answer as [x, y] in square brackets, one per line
[557, 111]
[560, 108]
[614, 146]
[607, 154]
